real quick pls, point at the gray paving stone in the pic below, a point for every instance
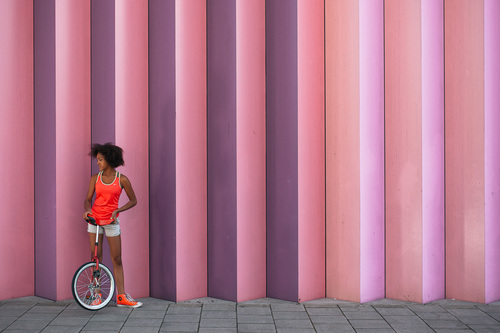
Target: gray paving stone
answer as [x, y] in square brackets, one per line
[178, 327]
[206, 300]
[436, 315]
[28, 325]
[62, 329]
[329, 319]
[7, 311]
[287, 307]
[252, 319]
[452, 330]
[229, 314]
[250, 327]
[293, 315]
[38, 316]
[489, 308]
[219, 307]
[22, 331]
[455, 304]
[485, 328]
[112, 309]
[479, 320]
[131, 329]
[217, 330]
[144, 322]
[28, 301]
[184, 310]
[388, 302]
[254, 310]
[377, 330]
[109, 317]
[362, 315]
[357, 308]
[175, 318]
[414, 329]
[368, 323]
[103, 326]
[330, 327]
[69, 321]
[45, 308]
[293, 323]
[404, 311]
[296, 330]
[426, 308]
[446, 324]
[6, 321]
[77, 313]
[404, 321]
[217, 323]
[331, 311]
[148, 314]
[469, 312]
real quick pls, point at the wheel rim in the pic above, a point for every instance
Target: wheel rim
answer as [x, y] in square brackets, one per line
[87, 287]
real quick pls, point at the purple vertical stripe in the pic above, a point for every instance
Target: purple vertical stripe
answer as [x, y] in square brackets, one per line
[221, 163]
[282, 149]
[45, 148]
[103, 72]
[162, 184]
[492, 148]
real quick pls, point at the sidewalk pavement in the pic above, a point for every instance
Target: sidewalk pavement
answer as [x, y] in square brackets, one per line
[34, 314]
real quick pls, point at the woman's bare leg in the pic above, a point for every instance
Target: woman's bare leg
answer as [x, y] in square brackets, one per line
[115, 247]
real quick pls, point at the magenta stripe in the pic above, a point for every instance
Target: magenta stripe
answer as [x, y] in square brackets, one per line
[371, 91]
[221, 158]
[282, 149]
[492, 148]
[432, 151]
[162, 158]
[45, 147]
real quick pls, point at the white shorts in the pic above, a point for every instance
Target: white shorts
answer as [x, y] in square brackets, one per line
[112, 230]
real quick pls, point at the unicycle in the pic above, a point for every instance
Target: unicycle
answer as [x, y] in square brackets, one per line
[93, 284]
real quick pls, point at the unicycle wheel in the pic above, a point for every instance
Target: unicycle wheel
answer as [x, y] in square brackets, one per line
[93, 289]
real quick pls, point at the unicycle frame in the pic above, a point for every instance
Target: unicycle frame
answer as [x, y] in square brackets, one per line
[92, 289]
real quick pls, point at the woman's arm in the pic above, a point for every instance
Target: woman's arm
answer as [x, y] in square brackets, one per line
[87, 204]
[127, 186]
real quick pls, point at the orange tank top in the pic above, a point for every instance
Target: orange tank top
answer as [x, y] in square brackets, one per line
[106, 197]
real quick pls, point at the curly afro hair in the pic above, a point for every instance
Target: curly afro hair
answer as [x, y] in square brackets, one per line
[112, 154]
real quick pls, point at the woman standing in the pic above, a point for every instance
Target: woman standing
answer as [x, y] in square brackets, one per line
[107, 186]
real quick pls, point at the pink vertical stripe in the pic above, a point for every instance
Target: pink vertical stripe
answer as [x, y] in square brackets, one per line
[131, 123]
[403, 150]
[433, 264]
[342, 150]
[371, 72]
[191, 161]
[311, 160]
[251, 149]
[72, 137]
[492, 148]
[464, 146]
[16, 149]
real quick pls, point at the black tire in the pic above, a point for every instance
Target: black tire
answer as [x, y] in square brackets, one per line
[85, 286]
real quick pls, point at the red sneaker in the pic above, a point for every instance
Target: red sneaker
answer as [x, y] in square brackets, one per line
[125, 300]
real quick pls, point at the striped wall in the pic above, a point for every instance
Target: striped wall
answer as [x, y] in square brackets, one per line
[294, 149]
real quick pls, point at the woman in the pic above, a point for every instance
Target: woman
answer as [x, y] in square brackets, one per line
[108, 185]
